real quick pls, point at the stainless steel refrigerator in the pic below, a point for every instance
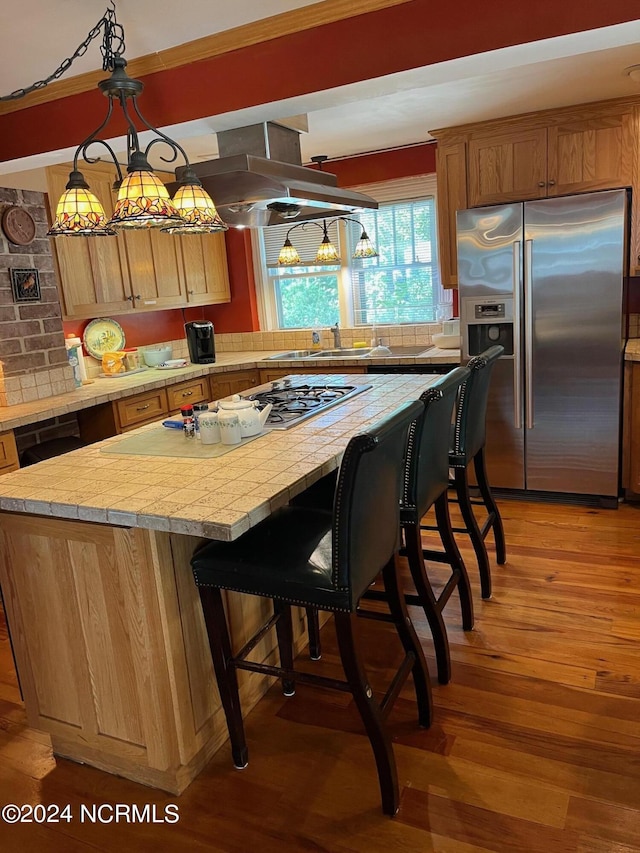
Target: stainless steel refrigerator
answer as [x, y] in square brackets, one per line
[545, 279]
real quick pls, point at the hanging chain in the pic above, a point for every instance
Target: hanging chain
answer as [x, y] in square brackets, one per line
[112, 45]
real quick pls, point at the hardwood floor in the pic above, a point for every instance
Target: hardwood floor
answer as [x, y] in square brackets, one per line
[535, 747]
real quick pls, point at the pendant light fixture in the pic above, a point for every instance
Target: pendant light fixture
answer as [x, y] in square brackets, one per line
[327, 252]
[143, 200]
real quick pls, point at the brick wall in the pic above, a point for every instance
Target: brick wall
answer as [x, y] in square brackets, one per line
[32, 352]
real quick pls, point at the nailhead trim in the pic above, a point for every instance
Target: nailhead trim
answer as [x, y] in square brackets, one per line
[278, 597]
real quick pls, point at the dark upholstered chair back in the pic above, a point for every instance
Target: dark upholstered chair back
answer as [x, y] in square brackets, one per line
[469, 432]
[366, 507]
[427, 463]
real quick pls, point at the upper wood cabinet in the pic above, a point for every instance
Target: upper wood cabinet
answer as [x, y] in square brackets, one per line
[591, 154]
[539, 155]
[451, 175]
[507, 167]
[206, 274]
[139, 270]
[93, 271]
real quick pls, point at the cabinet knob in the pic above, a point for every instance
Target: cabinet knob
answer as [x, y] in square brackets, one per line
[541, 183]
[552, 183]
[137, 296]
[129, 298]
[190, 292]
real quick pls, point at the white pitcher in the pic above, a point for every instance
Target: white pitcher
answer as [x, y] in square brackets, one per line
[252, 419]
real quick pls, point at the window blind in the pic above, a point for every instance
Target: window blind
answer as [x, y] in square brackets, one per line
[402, 284]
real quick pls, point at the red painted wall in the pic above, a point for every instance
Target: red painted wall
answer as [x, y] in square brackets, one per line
[364, 47]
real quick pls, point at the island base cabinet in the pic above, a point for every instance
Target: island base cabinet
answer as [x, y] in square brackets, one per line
[111, 646]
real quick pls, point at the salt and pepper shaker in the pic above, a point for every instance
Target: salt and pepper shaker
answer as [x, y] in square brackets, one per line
[188, 422]
[198, 409]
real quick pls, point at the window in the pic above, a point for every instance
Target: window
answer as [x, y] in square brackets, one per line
[401, 285]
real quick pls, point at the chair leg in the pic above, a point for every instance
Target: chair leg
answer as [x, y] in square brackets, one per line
[491, 505]
[443, 520]
[466, 508]
[221, 653]
[313, 629]
[284, 631]
[346, 630]
[410, 641]
[433, 613]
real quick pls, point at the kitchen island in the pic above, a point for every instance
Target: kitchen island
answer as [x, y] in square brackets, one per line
[106, 623]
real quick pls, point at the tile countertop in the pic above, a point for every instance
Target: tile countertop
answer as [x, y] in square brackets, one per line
[106, 390]
[217, 498]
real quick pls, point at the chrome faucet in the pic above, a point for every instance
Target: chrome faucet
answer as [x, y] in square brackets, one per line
[336, 336]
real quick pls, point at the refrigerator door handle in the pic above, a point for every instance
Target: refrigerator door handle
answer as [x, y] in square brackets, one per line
[528, 334]
[517, 313]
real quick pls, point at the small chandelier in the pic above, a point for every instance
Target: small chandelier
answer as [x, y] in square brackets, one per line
[143, 200]
[327, 252]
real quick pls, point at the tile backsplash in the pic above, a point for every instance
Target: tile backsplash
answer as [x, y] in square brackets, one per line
[301, 338]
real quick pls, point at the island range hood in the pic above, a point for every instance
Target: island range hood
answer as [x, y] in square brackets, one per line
[259, 180]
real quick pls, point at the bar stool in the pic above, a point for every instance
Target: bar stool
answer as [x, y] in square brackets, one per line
[467, 446]
[327, 561]
[426, 484]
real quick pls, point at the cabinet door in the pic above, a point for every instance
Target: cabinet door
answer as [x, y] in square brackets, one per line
[451, 172]
[205, 268]
[155, 269]
[233, 382]
[94, 278]
[507, 167]
[8, 452]
[633, 438]
[591, 154]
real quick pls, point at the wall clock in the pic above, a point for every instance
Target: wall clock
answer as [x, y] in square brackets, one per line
[18, 225]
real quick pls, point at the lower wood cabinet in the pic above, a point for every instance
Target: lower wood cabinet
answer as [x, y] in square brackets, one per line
[107, 419]
[233, 382]
[631, 431]
[271, 374]
[8, 452]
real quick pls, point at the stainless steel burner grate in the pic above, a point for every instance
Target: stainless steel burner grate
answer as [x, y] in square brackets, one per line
[293, 404]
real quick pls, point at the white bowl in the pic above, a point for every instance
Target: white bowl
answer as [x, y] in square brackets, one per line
[153, 356]
[446, 341]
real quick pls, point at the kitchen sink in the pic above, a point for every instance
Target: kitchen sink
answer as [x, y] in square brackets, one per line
[298, 353]
[347, 352]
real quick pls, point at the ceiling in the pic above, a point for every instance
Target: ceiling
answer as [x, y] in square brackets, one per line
[385, 112]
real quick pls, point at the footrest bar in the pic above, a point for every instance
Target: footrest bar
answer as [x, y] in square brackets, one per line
[292, 674]
[396, 685]
[445, 595]
[253, 642]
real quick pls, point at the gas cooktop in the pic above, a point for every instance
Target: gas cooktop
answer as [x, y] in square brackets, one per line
[293, 404]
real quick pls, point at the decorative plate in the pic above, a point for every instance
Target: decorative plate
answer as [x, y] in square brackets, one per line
[103, 335]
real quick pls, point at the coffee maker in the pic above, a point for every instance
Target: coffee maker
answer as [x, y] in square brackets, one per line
[200, 341]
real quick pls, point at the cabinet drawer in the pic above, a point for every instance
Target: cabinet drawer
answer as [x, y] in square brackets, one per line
[193, 391]
[141, 409]
[8, 452]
